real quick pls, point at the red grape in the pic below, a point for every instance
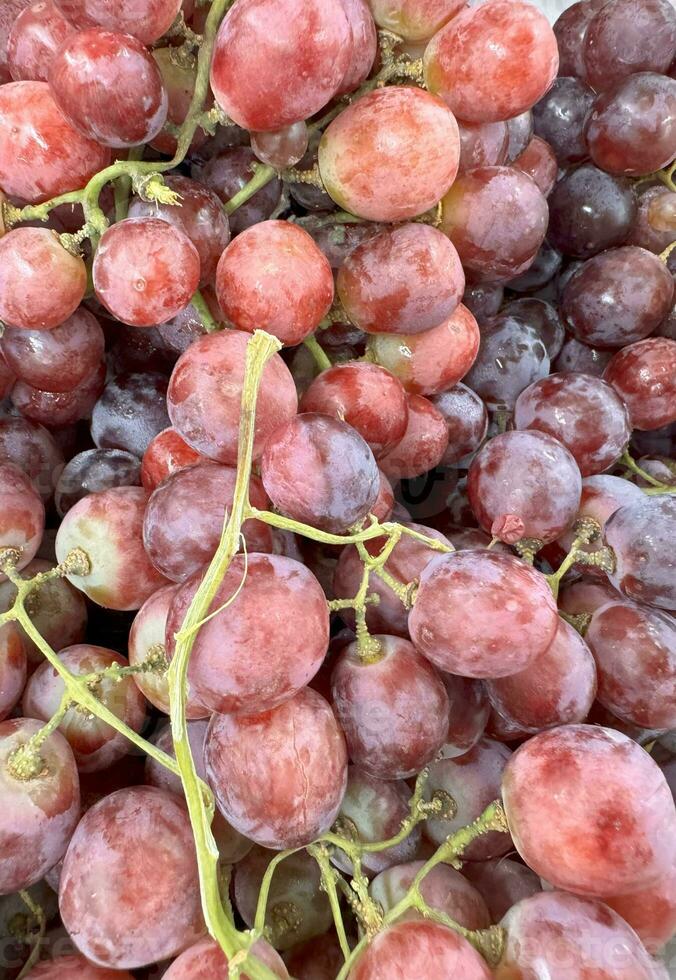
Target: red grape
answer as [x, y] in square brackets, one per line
[635, 652]
[570, 29]
[320, 958]
[108, 527]
[379, 293]
[493, 61]
[31, 258]
[641, 536]
[319, 470]
[39, 813]
[199, 216]
[145, 271]
[258, 44]
[524, 484]
[140, 839]
[482, 145]
[58, 359]
[147, 20]
[496, 217]
[67, 967]
[628, 36]
[282, 147]
[601, 496]
[466, 419]
[12, 667]
[91, 471]
[296, 747]
[363, 46]
[501, 882]
[579, 357]
[166, 454]
[46, 156]
[468, 713]
[586, 595]
[205, 392]
[590, 811]
[590, 210]
[560, 118]
[394, 711]
[651, 913]
[9, 11]
[365, 396]
[443, 888]
[22, 514]
[94, 743]
[423, 445]
[35, 37]
[207, 961]
[227, 173]
[58, 408]
[655, 225]
[391, 155]
[274, 277]
[462, 623]
[644, 376]
[419, 949]
[433, 361]
[414, 20]
[539, 162]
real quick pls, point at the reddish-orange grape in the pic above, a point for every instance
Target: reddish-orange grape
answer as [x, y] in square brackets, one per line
[616, 832]
[641, 535]
[539, 162]
[423, 445]
[493, 61]
[166, 454]
[462, 623]
[391, 155]
[629, 36]
[13, 665]
[145, 271]
[58, 359]
[363, 46]
[443, 888]
[147, 20]
[46, 156]
[205, 392]
[22, 514]
[207, 961]
[380, 294]
[419, 949]
[41, 284]
[258, 44]
[273, 277]
[644, 376]
[299, 748]
[35, 37]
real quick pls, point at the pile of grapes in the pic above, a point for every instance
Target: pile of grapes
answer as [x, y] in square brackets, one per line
[337, 490]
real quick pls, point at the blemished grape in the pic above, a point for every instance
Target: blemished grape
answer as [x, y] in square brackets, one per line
[390, 737]
[655, 224]
[145, 271]
[380, 294]
[492, 62]
[257, 44]
[267, 659]
[373, 810]
[184, 518]
[92, 471]
[524, 484]
[137, 834]
[46, 156]
[414, 20]
[424, 443]
[91, 64]
[13, 665]
[583, 413]
[466, 419]
[58, 359]
[94, 743]
[641, 536]
[473, 781]
[227, 173]
[651, 913]
[147, 20]
[283, 147]
[408, 147]
[557, 688]
[511, 356]
[207, 961]
[462, 622]
[65, 967]
[22, 514]
[543, 317]
[59, 408]
[299, 748]
[147, 637]
[205, 393]
[30, 258]
[108, 527]
[199, 216]
[589, 211]
[615, 834]
[364, 395]
[579, 357]
[501, 882]
[296, 909]
[131, 411]
[318, 470]
[274, 277]
[570, 936]
[539, 162]
[39, 813]
[166, 454]
[632, 128]
[35, 37]
[467, 716]
[407, 560]
[443, 888]
[635, 652]
[560, 118]
[644, 376]
[626, 37]
[57, 610]
[482, 145]
[415, 948]
[496, 217]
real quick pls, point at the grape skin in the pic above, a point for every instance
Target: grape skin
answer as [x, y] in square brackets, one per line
[589, 211]
[206, 961]
[501, 882]
[627, 37]
[92, 471]
[28, 258]
[423, 445]
[147, 20]
[66, 967]
[651, 913]
[35, 37]
[59, 408]
[644, 376]
[22, 515]
[130, 412]
[58, 359]
[539, 162]
[511, 356]
[641, 536]
[12, 667]
[166, 454]
[442, 888]
[467, 421]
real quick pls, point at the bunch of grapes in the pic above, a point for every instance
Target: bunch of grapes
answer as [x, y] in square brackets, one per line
[337, 490]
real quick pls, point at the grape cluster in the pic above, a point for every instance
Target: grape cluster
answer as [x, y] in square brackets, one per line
[337, 490]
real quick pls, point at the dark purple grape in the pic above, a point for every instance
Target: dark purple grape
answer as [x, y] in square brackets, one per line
[655, 224]
[570, 30]
[590, 210]
[545, 266]
[33, 449]
[543, 317]
[629, 36]
[227, 173]
[511, 356]
[520, 133]
[94, 470]
[484, 299]
[131, 411]
[560, 118]
[576, 356]
[642, 536]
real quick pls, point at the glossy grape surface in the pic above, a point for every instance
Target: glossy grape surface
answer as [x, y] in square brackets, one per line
[482, 145]
[543, 317]
[511, 356]
[651, 913]
[206, 961]
[629, 36]
[466, 419]
[655, 224]
[589, 211]
[59, 408]
[58, 359]
[166, 453]
[227, 173]
[644, 376]
[131, 411]
[92, 471]
[560, 118]
[641, 536]
[502, 882]
[35, 37]
[423, 445]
